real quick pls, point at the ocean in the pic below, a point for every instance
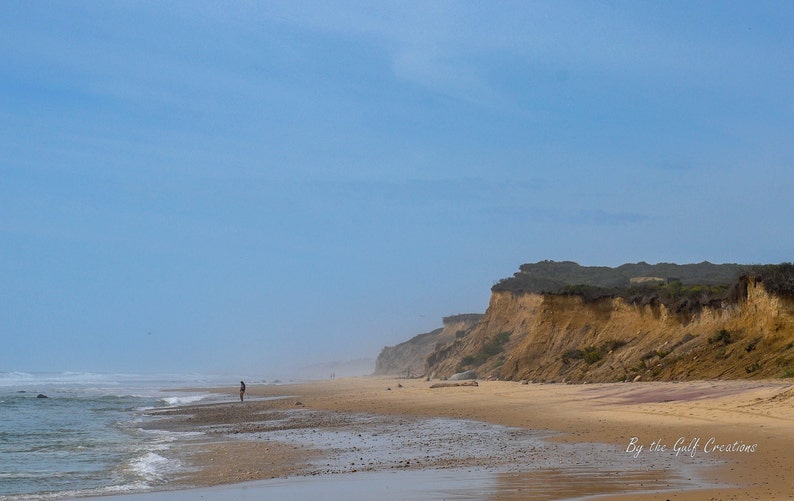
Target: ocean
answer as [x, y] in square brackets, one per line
[86, 438]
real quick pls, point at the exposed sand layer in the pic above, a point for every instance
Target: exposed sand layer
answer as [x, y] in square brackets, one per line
[379, 424]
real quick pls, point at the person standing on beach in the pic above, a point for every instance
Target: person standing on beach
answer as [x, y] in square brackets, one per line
[242, 390]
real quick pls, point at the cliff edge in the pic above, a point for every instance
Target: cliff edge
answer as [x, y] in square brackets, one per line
[550, 337]
[408, 359]
[745, 330]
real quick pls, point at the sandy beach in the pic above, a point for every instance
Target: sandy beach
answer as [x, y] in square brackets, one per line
[695, 440]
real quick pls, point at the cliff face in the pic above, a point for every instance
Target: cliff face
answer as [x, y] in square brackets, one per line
[550, 337]
[409, 358]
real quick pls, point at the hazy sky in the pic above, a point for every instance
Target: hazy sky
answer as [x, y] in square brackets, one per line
[237, 187]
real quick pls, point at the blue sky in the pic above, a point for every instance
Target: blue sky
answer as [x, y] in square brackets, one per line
[246, 187]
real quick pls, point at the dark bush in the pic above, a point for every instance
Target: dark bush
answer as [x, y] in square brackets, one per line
[777, 278]
[591, 354]
[723, 336]
[572, 354]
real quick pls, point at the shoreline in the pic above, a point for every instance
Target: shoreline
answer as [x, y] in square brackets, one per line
[681, 418]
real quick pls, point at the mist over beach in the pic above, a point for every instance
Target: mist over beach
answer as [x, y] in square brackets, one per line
[339, 205]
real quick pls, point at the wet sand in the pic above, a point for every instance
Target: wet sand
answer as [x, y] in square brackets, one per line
[552, 441]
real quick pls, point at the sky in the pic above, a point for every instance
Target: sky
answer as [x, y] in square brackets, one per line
[250, 187]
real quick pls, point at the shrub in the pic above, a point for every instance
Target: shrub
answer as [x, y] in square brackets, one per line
[777, 278]
[751, 345]
[572, 354]
[592, 354]
[588, 293]
[613, 344]
[723, 336]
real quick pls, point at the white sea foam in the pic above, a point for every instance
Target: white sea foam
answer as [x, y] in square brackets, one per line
[110, 380]
[151, 467]
[183, 400]
[80, 493]
[14, 378]
[86, 438]
[165, 437]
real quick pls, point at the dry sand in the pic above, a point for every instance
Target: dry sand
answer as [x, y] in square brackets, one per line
[740, 414]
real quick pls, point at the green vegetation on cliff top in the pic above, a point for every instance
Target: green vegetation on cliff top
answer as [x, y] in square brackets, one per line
[553, 276]
[667, 283]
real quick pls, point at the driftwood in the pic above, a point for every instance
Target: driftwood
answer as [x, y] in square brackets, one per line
[450, 385]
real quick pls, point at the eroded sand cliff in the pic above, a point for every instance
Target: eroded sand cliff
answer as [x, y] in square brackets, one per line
[553, 337]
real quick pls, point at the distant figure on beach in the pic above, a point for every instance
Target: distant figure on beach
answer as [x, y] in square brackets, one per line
[242, 390]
